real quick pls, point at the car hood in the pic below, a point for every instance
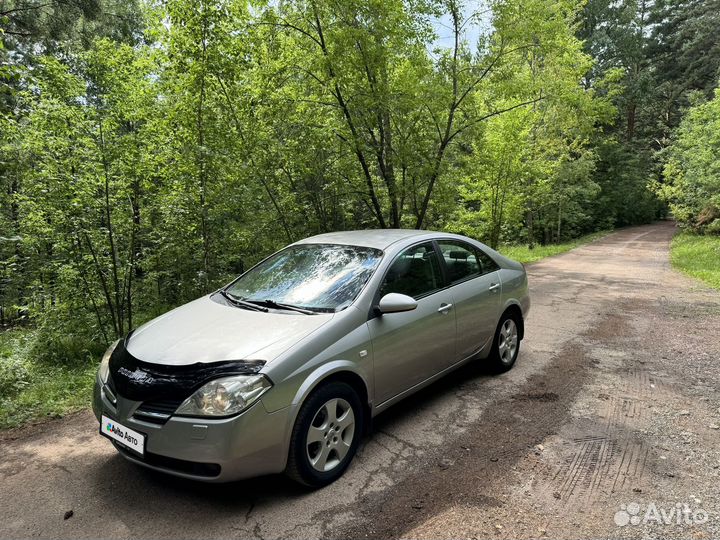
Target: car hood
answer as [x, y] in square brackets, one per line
[206, 331]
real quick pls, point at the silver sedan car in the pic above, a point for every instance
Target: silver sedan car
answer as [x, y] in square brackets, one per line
[283, 369]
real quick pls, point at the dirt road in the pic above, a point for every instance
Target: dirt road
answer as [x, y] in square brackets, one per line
[608, 422]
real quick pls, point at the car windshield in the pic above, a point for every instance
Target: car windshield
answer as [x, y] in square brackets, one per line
[319, 277]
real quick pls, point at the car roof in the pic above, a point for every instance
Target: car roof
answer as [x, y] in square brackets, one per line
[374, 238]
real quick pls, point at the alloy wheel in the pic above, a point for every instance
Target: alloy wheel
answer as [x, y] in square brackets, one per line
[330, 435]
[508, 341]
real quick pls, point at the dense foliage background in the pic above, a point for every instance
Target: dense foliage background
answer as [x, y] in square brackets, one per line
[149, 151]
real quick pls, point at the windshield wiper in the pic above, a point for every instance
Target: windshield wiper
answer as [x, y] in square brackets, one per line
[280, 305]
[239, 302]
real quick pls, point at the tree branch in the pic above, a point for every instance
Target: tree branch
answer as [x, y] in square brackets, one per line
[285, 24]
[26, 8]
[494, 113]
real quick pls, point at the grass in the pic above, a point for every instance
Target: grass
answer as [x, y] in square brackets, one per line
[31, 391]
[526, 255]
[697, 256]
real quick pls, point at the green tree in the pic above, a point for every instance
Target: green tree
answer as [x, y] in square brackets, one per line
[529, 171]
[29, 30]
[692, 171]
[81, 205]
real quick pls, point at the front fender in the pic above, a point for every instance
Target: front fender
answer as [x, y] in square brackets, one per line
[321, 373]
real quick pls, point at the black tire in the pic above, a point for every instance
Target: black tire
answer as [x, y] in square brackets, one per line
[300, 467]
[501, 361]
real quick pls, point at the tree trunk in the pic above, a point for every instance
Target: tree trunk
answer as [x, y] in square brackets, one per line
[445, 140]
[559, 220]
[631, 114]
[530, 226]
[390, 180]
[201, 163]
[119, 318]
[349, 119]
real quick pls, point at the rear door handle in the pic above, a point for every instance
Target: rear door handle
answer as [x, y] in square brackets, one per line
[494, 287]
[444, 308]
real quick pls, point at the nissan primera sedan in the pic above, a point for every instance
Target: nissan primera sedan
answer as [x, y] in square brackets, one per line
[283, 369]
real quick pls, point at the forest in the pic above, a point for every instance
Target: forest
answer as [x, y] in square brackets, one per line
[152, 150]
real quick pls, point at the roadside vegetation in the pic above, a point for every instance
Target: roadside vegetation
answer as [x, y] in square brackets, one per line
[697, 256]
[149, 151]
[526, 254]
[37, 385]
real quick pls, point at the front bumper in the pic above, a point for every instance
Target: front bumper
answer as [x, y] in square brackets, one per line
[252, 443]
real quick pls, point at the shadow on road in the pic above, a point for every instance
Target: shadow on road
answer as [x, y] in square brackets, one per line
[116, 476]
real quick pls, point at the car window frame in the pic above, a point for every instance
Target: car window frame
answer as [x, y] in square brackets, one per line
[443, 275]
[447, 284]
[468, 246]
[497, 266]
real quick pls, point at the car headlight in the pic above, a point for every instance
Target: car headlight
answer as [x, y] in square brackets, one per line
[104, 369]
[225, 396]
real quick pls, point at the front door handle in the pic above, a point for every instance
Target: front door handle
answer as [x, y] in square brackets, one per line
[444, 308]
[494, 287]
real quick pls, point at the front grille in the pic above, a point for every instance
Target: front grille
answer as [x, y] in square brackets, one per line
[208, 470]
[108, 393]
[111, 385]
[166, 406]
[157, 411]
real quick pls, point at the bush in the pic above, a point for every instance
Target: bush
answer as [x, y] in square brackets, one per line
[69, 350]
[713, 227]
[42, 376]
[14, 372]
[61, 340]
[14, 375]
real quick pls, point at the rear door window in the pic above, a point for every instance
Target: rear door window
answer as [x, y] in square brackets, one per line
[464, 261]
[487, 264]
[461, 260]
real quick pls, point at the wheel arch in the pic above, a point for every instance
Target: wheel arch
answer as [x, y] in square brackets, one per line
[515, 309]
[357, 383]
[338, 370]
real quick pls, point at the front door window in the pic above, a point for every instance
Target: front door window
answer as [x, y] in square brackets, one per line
[415, 272]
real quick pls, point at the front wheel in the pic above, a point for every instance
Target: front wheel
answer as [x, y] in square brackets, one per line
[506, 345]
[326, 435]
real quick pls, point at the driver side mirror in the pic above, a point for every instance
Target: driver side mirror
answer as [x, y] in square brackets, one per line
[395, 303]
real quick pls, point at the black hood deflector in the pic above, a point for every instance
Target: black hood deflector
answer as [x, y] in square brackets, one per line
[142, 381]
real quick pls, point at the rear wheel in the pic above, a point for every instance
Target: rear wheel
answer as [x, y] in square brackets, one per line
[326, 435]
[506, 345]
